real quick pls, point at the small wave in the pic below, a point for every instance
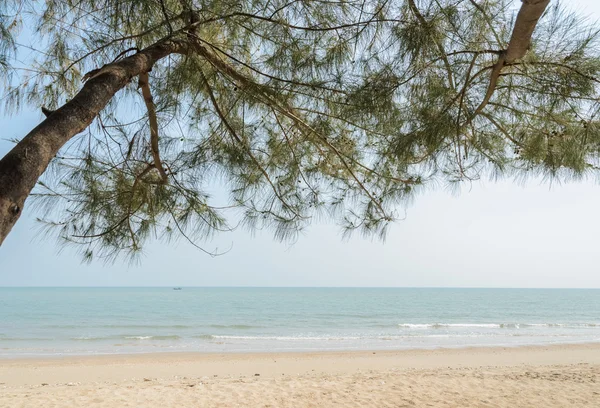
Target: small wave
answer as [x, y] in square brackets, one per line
[290, 338]
[128, 337]
[513, 325]
[88, 338]
[494, 325]
[146, 326]
[234, 326]
[448, 325]
[204, 337]
[171, 337]
[414, 326]
[96, 338]
[120, 326]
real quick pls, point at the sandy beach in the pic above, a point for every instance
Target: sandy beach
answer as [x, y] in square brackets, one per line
[550, 376]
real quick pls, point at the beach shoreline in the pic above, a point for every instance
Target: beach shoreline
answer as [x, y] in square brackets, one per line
[549, 376]
[120, 367]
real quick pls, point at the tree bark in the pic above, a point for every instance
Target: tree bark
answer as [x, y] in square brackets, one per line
[527, 19]
[520, 39]
[144, 84]
[27, 161]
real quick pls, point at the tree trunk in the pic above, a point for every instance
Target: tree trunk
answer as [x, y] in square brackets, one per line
[27, 161]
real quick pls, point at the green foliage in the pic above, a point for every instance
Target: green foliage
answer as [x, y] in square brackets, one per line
[10, 21]
[340, 110]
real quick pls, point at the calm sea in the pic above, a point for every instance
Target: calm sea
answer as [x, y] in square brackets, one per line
[63, 321]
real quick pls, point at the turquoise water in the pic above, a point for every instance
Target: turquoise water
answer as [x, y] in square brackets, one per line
[59, 321]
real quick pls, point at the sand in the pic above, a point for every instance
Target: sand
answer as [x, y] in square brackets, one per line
[553, 376]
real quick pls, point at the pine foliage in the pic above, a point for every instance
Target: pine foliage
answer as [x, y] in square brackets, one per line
[299, 110]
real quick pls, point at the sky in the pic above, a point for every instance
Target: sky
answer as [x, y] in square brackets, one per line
[491, 234]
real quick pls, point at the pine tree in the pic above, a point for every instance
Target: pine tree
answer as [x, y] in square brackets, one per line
[300, 109]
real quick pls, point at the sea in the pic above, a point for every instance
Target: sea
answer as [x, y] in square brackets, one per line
[88, 321]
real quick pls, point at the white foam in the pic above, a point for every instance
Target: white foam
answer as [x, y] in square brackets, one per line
[442, 325]
[495, 325]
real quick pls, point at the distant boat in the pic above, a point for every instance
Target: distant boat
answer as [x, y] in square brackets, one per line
[176, 288]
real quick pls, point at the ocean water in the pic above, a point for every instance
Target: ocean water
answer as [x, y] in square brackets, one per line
[81, 321]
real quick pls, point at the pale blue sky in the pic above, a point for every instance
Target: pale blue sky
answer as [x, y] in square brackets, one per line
[490, 235]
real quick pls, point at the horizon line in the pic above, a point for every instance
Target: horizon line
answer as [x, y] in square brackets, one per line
[289, 287]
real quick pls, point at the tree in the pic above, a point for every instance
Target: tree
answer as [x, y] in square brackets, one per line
[301, 108]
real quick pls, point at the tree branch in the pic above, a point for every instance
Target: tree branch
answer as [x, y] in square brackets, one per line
[24, 164]
[147, 94]
[527, 19]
